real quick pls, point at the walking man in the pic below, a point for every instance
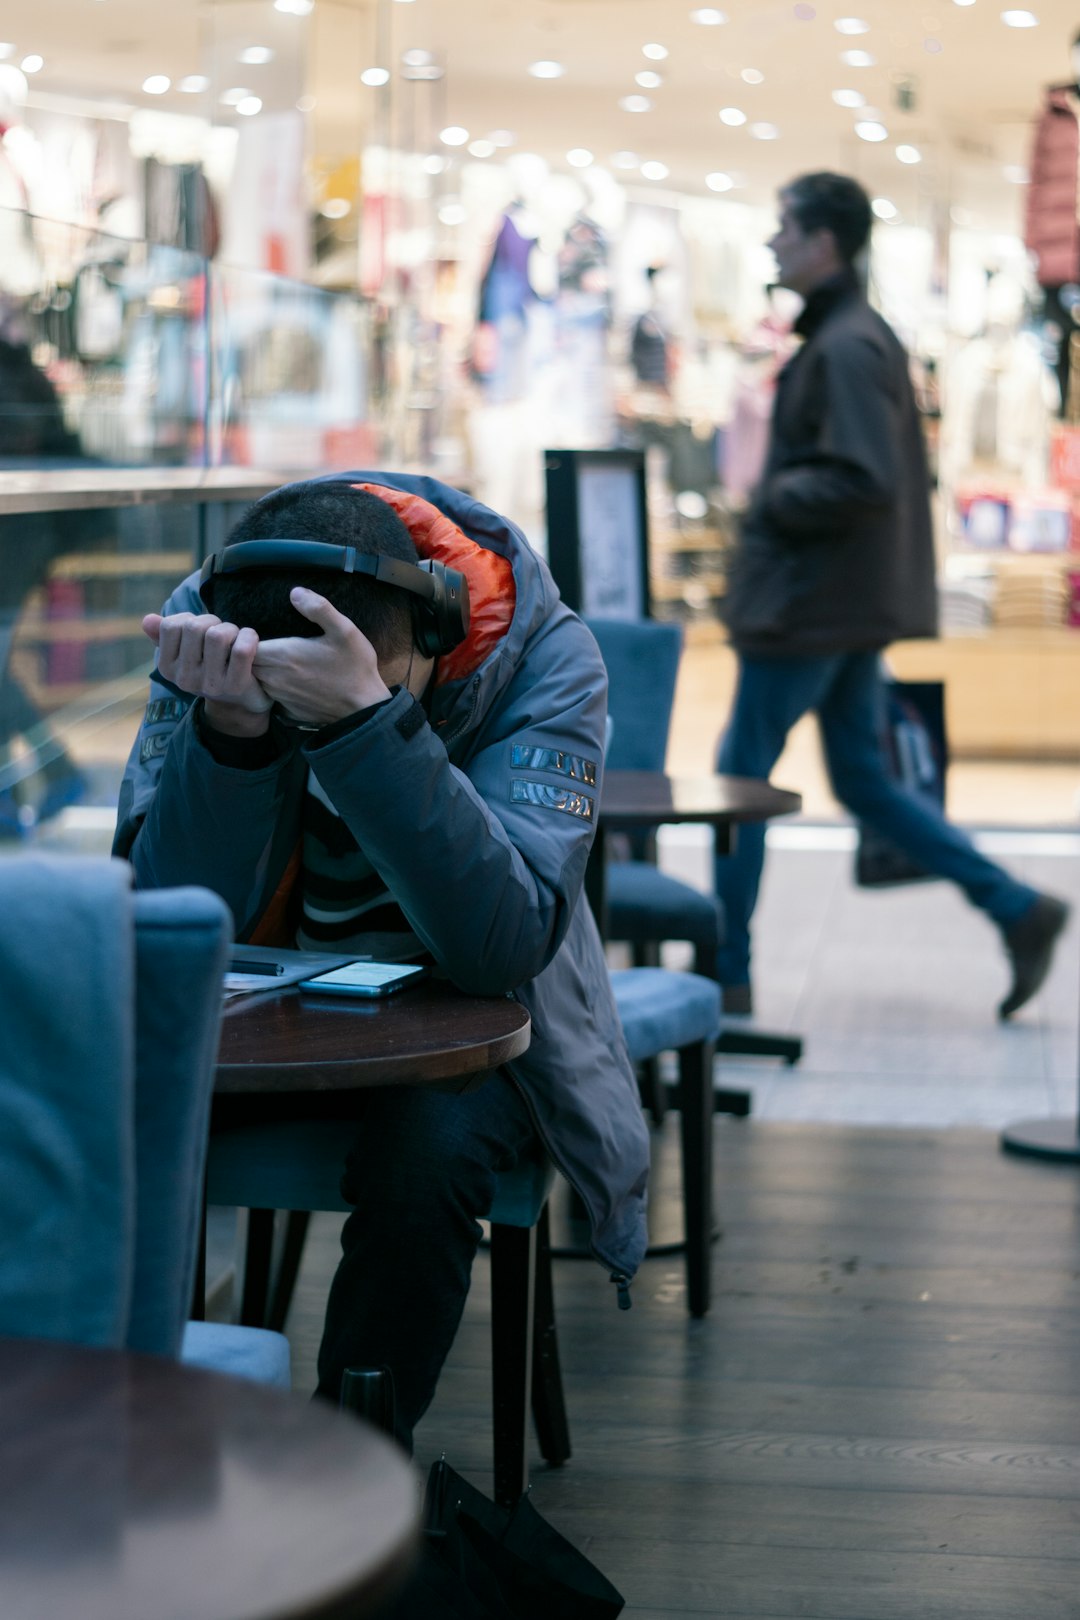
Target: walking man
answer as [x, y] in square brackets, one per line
[836, 561]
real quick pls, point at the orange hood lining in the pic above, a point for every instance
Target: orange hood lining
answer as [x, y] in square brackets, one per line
[492, 593]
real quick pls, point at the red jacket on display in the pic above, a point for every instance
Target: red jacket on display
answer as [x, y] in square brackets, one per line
[1052, 231]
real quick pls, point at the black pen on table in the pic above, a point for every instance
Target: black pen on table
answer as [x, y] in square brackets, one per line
[268, 968]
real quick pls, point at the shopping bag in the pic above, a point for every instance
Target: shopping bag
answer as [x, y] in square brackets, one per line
[915, 748]
[479, 1561]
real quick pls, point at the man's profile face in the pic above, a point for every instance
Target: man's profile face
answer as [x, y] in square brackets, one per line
[803, 259]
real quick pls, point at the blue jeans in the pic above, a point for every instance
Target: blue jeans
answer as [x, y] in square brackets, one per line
[420, 1173]
[846, 692]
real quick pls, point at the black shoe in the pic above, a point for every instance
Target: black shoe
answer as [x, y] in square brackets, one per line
[1030, 943]
[738, 1000]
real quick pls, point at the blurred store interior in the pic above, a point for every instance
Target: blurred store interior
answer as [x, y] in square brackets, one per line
[293, 235]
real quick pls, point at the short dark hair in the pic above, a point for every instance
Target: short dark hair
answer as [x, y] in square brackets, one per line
[831, 202]
[342, 516]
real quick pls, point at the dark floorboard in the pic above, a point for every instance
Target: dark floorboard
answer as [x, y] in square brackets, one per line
[879, 1419]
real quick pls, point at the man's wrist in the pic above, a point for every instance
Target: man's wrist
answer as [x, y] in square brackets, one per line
[232, 721]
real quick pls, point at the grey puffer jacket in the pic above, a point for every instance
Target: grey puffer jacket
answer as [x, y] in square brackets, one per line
[836, 552]
[479, 823]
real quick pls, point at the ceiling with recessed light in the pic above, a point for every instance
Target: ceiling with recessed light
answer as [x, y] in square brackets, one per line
[750, 93]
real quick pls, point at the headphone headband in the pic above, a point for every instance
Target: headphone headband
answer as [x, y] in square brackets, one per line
[442, 617]
[317, 554]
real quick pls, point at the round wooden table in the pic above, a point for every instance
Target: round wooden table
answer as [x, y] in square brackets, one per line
[293, 1041]
[635, 799]
[139, 1489]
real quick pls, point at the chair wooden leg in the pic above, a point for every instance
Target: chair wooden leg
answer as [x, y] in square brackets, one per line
[198, 1285]
[696, 1123]
[257, 1260]
[548, 1405]
[513, 1271]
[296, 1229]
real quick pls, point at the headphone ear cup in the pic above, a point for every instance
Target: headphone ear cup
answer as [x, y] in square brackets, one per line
[426, 636]
[442, 623]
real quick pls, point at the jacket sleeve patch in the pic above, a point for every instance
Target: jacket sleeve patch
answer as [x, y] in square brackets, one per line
[154, 746]
[162, 709]
[550, 797]
[553, 759]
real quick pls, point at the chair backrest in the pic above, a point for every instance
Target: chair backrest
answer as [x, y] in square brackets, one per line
[642, 659]
[181, 948]
[111, 1003]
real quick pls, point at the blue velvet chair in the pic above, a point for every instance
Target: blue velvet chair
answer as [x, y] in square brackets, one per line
[660, 1012]
[644, 906]
[111, 1022]
[297, 1166]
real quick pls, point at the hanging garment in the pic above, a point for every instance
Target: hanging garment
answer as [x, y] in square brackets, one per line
[1051, 230]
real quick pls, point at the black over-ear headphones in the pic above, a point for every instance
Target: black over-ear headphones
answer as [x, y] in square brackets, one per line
[441, 619]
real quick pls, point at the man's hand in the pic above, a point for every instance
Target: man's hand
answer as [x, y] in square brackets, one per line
[212, 660]
[320, 679]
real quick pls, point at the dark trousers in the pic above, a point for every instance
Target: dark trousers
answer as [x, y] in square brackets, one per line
[420, 1175]
[846, 692]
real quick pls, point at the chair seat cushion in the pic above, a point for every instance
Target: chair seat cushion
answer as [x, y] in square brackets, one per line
[290, 1165]
[241, 1352]
[645, 904]
[661, 1011]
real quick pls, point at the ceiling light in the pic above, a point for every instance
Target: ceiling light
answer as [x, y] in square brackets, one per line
[869, 130]
[433, 164]
[764, 132]
[233, 98]
[416, 58]
[625, 160]
[752, 76]
[35, 63]
[249, 106]
[5, 51]
[648, 80]
[193, 84]
[375, 76]
[296, 8]
[851, 25]
[733, 116]
[502, 137]
[719, 181]
[805, 13]
[655, 171]
[655, 53]
[883, 208]
[1011, 19]
[482, 149]
[452, 212]
[1016, 174]
[635, 104]
[963, 2]
[453, 135]
[909, 154]
[335, 208]
[849, 98]
[857, 58]
[708, 17]
[155, 85]
[579, 157]
[546, 70]
[256, 55]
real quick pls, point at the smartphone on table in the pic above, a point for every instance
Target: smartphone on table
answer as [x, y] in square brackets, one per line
[366, 979]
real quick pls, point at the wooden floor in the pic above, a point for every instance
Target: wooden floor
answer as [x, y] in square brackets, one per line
[879, 1420]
